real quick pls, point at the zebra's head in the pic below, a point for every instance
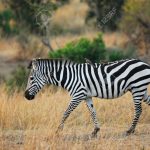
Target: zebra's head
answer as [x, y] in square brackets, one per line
[36, 80]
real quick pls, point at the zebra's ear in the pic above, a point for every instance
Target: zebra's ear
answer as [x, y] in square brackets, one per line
[30, 65]
[34, 64]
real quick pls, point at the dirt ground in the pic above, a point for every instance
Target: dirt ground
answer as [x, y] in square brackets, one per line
[20, 140]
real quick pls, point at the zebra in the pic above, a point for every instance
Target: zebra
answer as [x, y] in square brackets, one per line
[84, 81]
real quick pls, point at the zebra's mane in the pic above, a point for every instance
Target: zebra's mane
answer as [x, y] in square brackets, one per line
[63, 61]
[71, 61]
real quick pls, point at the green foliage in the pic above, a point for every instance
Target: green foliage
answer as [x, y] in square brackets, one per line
[80, 49]
[18, 79]
[6, 17]
[93, 50]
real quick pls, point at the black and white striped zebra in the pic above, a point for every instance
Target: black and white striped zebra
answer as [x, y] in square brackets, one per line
[84, 81]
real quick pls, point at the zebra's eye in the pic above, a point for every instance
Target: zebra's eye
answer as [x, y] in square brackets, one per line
[31, 78]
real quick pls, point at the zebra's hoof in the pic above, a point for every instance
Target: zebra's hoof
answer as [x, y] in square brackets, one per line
[129, 132]
[94, 133]
[60, 128]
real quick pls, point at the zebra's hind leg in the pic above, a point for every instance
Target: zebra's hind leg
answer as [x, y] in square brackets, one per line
[89, 104]
[137, 98]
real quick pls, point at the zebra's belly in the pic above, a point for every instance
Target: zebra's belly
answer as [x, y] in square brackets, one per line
[109, 95]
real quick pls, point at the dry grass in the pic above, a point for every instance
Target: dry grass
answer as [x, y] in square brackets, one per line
[71, 16]
[31, 125]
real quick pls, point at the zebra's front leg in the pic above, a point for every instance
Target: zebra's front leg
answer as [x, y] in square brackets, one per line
[73, 104]
[90, 106]
[138, 111]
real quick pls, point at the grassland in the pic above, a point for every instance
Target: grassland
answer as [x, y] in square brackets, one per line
[31, 125]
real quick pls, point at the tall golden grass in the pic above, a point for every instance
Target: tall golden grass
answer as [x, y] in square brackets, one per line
[31, 125]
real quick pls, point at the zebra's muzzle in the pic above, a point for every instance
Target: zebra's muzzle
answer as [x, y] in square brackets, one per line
[28, 96]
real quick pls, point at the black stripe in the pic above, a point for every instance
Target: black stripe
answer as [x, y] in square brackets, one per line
[85, 75]
[104, 75]
[73, 76]
[112, 84]
[118, 86]
[80, 74]
[90, 74]
[64, 79]
[98, 79]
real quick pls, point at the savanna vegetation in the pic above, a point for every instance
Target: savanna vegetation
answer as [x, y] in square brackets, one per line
[32, 124]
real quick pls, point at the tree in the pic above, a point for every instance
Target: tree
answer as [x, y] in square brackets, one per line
[136, 23]
[26, 11]
[107, 12]
[34, 16]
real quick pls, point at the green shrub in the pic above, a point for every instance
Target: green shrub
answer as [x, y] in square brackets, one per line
[93, 50]
[18, 80]
[83, 48]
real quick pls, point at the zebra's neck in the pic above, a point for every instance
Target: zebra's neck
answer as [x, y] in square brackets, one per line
[62, 72]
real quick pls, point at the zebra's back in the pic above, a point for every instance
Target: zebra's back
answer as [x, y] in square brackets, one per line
[113, 79]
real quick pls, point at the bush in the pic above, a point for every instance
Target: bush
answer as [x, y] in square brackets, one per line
[93, 50]
[83, 48]
[18, 80]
